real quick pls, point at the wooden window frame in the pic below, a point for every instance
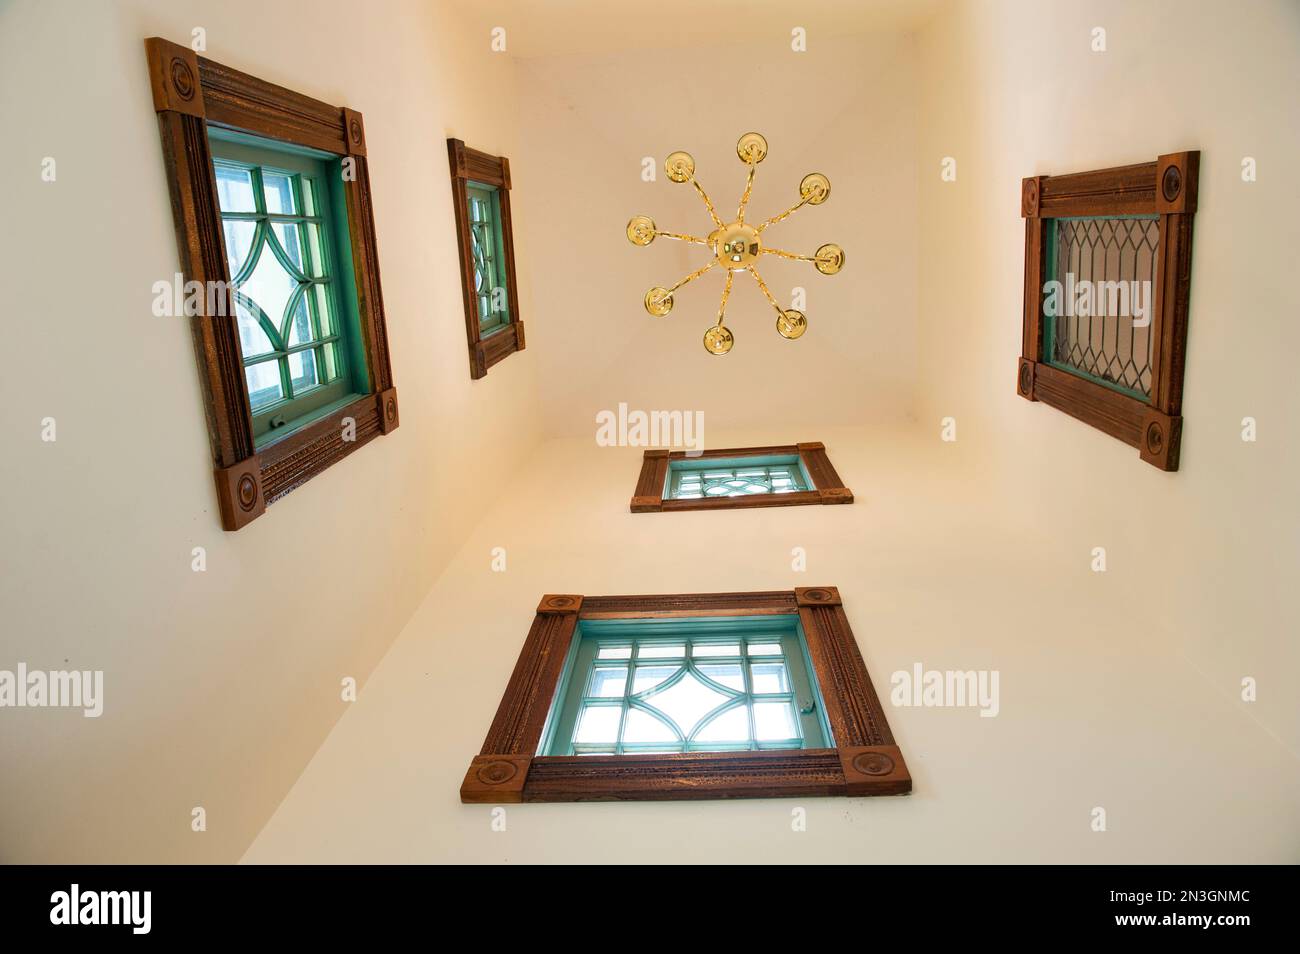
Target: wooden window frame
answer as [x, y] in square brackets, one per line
[648, 496]
[191, 92]
[470, 165]
[1166, 188]
[865, 760]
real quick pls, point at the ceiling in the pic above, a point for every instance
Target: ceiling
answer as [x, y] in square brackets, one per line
[540, 28]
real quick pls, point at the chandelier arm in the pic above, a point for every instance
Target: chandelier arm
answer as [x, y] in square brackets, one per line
[692, 276]
[707, 202]
[762, 285]
[744, 199]
[784, 215]
[784, 254]
[726, 293]
[692, 239]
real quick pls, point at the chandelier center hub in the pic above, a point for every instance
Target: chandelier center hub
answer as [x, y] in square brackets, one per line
[736, 245]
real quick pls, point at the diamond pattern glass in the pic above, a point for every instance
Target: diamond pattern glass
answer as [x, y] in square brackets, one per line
[285, 300]
[1101, 325]
[685, 695]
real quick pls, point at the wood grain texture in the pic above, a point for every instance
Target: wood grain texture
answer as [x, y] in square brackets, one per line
[1032, 329]
[517, 728]
[865, 761]
[1123, 190]
[1117, 414]
[291, 462]
[239, 492]
[237, 100]
[495, 780]
[674, 776]
[365, 266]
[231, 99]
[852, 707]
[689, 604]
[195, 212]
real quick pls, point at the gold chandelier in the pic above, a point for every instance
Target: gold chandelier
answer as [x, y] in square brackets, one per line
[737, 246]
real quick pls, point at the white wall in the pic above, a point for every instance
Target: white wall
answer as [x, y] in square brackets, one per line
[932, 570]
[219, 685]
[1012, 89]
[1118, 690]
[846, 108]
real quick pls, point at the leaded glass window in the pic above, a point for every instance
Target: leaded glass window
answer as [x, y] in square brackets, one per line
[487, 246]
[1098, 317]
[279, 215]
[693, 479]
[703, 685]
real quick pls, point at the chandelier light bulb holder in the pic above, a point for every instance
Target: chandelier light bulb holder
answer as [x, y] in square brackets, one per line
[737, 246]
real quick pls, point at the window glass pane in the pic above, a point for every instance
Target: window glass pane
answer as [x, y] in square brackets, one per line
[727, 674]
[730, 726]
[253, 340]
[647, 677]
[325, 315]
[769, 677]
[300, 324]
[740, 688]
[239, 243]
[310, 202]
[269, 286]
[1114, 258]
[644, 728]
[302, 371]
[290, 239]
[715, 649]
[691, 480]
[278, 189]
[480, 264]
[316, 267]
[598, 724]
[774, 721]
[263, 384]
[484, 252]
[282, 263]
[234, 188]
[609, 682]
[686, 701]
[661, 652]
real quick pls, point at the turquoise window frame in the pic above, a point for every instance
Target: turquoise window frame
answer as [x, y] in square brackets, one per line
[335, 342]
[486, 234]
[702, 640]
[1051, 240]
[678, 468]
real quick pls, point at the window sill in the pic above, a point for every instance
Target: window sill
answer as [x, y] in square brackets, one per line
[245, 490]
[494, 348]
[295, 424]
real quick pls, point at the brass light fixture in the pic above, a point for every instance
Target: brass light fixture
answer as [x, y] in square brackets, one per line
[737, 246]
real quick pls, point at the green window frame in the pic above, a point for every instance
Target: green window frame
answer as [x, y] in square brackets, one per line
[723, 684]
[707, 478]
[284, 225]
[487, 243]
